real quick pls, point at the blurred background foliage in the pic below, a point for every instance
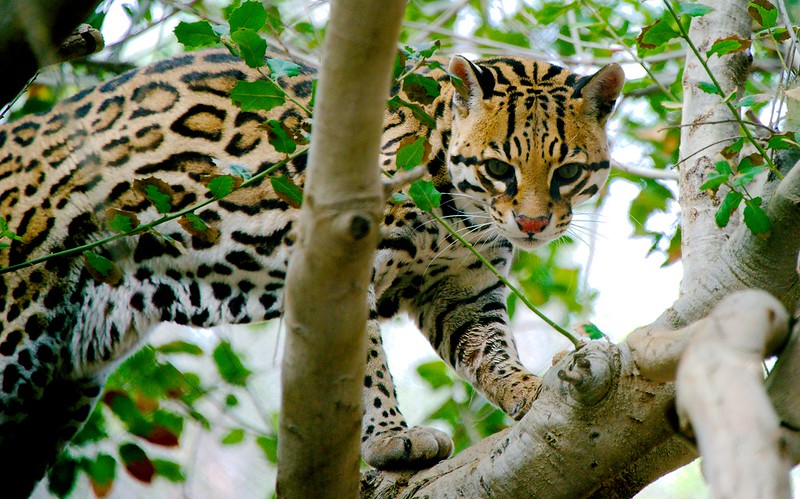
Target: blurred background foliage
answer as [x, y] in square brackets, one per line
[177, 417]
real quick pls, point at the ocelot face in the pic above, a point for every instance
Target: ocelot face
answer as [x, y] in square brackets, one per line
[525, 157]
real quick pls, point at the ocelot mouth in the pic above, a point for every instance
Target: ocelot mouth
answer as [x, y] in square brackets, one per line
[528, 242]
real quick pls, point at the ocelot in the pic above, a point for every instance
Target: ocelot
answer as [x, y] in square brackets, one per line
[515, 146]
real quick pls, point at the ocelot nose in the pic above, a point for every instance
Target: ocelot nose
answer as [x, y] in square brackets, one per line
[530, 225]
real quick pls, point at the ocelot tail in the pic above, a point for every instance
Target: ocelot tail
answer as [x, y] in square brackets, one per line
[516, 144]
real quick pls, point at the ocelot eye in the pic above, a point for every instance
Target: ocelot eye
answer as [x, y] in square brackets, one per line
[568, 173]
[499, 169]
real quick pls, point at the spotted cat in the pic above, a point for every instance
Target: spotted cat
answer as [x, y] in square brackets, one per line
[516, 144]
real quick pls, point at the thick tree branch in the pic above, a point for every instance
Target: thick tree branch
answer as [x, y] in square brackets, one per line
[330, 271]
[700, 126]
[593, 418]
[721, 397]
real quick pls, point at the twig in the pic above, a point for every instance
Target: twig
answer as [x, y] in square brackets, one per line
[645, 172]
[505, 281]
[439, 21]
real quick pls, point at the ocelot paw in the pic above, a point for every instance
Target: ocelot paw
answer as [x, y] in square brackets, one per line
[406, 448]
[517, 396]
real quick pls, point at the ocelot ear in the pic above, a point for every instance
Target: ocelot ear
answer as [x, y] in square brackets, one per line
[600, 91]
[476, 83]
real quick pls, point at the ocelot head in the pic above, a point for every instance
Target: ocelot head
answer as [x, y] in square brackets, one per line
[529, 143]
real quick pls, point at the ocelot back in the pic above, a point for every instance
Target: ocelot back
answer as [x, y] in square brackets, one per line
[514, 148]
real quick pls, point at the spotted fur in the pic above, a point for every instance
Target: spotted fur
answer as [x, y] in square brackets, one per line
[517, 143]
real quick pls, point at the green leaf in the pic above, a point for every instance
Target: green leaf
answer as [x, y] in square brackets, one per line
[399, 198]
[399, 64]
[656, 35]
[102, 269]
[426, 50]
[4, 232]
[240, 171]
[728, 45]
[511, 304]
[252, 47]
[783, 141]
[158, 192]
[287, 191]
[411, 154]
[746, 101]
[747, 175]
[197, 222]
[198, 34]
[231, 400]
[221, 186]
[279, 137]
[280, 67]
[763, 12]
[708, 88]
[592, 331]
[313, 93]
[755, 218]
[94, 430]
[103, 469]
[61, 477]
[733, 149]
[693, 9]
[180, 346]
[229, 365]
[235, 436]
[420, 88]
[250, 15]
[723, 167]
[196, 226]
[169, 420]
[169, 470]
[418, 111]
[257, 95]
[269, 444]
[435, 374]
[425, 195]
[136, 462]
[730, 203]
[161, 200]
[121, 221]
[652, 198]
[125, 409]
[714, 181]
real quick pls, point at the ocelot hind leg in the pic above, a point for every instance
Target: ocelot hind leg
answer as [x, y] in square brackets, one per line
[52, 416]
[387, 442]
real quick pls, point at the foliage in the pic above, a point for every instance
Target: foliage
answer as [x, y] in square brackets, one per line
[152, 400]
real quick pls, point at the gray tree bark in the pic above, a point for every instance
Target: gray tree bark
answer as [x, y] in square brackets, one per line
[327, 287]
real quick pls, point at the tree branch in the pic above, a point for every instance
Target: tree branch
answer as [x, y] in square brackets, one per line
[721, 397]
[702, 239]
[592, 399]
[330, 271]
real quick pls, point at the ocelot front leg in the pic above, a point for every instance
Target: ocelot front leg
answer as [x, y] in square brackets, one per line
[387, 442]
[466, 321]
